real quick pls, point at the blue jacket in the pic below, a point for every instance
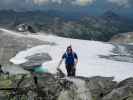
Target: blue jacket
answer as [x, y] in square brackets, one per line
[70, 57]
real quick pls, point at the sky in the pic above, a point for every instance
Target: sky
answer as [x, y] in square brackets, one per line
[34, 4]
[69, 5]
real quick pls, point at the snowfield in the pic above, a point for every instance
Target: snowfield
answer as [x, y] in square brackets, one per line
[90, 64]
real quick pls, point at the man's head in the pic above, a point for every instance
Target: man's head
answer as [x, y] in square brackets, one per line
[69, 49]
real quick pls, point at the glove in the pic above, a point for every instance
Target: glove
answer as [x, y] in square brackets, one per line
[58, 69]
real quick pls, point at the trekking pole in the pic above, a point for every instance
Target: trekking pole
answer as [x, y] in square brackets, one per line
[60, 62]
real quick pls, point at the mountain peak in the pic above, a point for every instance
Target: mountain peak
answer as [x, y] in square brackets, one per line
[110, 14]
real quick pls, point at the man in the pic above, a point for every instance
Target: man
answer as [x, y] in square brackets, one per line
[71, 61]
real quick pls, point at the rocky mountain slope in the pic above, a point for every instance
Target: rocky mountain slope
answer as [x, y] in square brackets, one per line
[110, 55]
[28, 49]
[69, 88]
[38, 48]
[10, 45]
[87, 27]
[123, 38]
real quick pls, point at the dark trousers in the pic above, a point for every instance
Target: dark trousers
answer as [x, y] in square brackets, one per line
[71, 71]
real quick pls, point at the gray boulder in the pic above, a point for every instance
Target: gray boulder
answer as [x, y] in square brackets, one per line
[126, 82]
[35, 61]
[49, 87]
[122, 93]
[100, 86]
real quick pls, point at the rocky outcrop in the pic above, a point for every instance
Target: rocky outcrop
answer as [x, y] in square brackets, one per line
[25, 28]
[126, 82]
[11, 44]
[80, 88]
[100, 86]
[35, 60]
[121, 52]
[123, 91]
[51, 87]
[123, 38]
[89, 88]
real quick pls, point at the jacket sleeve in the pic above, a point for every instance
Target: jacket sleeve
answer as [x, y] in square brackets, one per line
[64, 56]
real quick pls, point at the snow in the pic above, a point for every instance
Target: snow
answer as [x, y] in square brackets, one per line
[130, 43]
[11, 32]
[90, 64]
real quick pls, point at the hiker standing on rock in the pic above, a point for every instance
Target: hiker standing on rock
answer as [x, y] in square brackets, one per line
[71, 60]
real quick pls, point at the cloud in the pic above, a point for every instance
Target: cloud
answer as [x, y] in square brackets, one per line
[57, 1]
[121, 3]
[83, 2]
[43, 2]
[40, 1]
[40, 4]
[16, 4]
[72, 2]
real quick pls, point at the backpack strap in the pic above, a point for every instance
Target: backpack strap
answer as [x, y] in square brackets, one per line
[67, 54]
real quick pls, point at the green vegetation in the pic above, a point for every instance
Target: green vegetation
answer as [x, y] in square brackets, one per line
[7, 88]
[89, 27]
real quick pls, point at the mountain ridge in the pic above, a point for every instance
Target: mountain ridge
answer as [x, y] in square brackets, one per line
[100, 28]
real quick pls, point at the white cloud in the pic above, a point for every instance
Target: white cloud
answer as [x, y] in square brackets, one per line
[33, 4]
[83, 2]
[16, 4]
[40, 1]
[73, 2]
[57, 1]
[122, 3]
